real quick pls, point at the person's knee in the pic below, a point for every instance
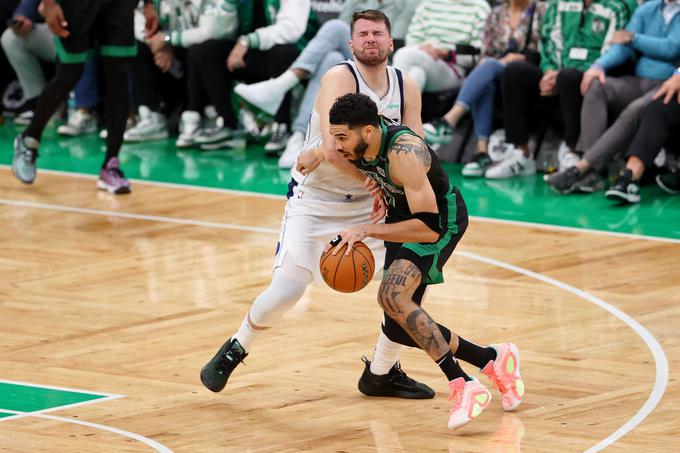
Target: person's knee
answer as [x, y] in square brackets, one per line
[281, 295]
[393, 302]
[333, 27]
[9, 41]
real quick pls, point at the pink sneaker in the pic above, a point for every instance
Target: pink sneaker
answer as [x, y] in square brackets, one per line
[504, 372]
[112, 179]
[469, 399]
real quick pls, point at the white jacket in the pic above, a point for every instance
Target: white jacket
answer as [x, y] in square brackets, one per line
[290, 23]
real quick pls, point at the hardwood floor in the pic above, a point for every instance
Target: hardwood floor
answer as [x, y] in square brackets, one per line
[131, 295]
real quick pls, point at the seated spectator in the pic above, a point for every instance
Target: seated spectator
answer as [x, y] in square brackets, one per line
[159, 70]
[7, 75]
[268, 44]
[429, 56]
[653, 38]
[574, 34]
[512, 33]
[329, 47]
[658, 126]
[27, 42]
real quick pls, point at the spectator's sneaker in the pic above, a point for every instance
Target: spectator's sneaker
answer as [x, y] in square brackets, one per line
[477, 166]
[25, 154]
[670, 182]
[515, 165]
[504, 372]
[79, 123]
[438, 132]
[564, 181]
[468, 400]
[265, 96]
[213, 134]
[112, 179]
[395, 383]
[24, 118]
[589, 183]
[569, 160]
[214, 374]
[151, 126]
[624, 188]
[277, 142]
[189, 125]
[293, 148]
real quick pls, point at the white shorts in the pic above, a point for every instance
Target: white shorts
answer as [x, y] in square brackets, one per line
[303, 236]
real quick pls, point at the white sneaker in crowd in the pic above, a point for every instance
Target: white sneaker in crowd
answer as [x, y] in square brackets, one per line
[293, 148]
[79, 123]
[515, 165]
[189, 125]
[151, 126]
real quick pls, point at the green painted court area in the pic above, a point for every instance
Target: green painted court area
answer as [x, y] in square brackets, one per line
[27, 398]
[526, 199]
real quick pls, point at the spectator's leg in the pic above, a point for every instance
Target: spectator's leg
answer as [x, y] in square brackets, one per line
[430, 75]
[601, 103]
[144, 75]
[569, 94]
[24, 54]
[333, 36]
[520, 92]
[658, 122]
[478, 93]
[208, 71]
[86, 90]
[278, 58]
[307, 104]
[619, 135]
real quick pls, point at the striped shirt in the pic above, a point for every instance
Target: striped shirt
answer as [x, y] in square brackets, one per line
[445, 23]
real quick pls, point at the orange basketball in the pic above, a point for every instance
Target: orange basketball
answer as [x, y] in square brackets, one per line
[347, 273]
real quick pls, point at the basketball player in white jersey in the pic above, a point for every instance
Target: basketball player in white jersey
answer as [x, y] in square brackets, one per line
[321, 201]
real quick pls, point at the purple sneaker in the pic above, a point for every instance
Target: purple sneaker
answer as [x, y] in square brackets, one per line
[112, 179]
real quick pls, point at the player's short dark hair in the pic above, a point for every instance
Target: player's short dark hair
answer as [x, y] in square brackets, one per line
[354, 110]
[370, 14]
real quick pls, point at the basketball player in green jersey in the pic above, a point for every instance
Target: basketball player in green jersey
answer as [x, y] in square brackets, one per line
[426, 217]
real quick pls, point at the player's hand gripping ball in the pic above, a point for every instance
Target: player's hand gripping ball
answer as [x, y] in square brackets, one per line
[347, 273]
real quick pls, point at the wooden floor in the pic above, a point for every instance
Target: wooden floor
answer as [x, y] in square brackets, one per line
[131, 295]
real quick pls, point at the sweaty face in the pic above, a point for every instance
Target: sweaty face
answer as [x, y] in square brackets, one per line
[349, 142]
[371, 42]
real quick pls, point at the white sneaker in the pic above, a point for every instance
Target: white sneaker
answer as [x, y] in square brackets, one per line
[189, 124]
[265, 96]
[218, 133]
[566, 158]
[515, 165]
[277, 142]
[79, 123]
[293, 148]
[249, 122]
[129, 124]
[151, 126]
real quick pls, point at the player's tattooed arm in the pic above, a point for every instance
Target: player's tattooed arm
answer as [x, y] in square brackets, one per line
[410, 144]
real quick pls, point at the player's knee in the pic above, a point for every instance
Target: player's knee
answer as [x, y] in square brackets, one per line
[281, 295]
[391, 300]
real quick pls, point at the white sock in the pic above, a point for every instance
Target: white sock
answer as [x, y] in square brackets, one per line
[246, 335]
[385, 355]
[287, 80]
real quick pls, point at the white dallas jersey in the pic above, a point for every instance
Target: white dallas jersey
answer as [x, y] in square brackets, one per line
[318, 192]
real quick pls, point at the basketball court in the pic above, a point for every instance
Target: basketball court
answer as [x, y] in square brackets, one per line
[111, 305]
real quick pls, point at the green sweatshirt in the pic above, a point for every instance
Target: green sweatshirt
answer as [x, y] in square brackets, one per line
[574, 36]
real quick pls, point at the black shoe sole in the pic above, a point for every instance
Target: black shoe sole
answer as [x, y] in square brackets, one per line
[417, 395]
[620, 197]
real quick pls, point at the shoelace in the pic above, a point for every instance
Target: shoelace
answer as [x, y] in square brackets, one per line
[496, 380]
[227, 359]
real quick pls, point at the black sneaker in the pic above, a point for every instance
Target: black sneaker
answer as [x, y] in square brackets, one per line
[564, 181]
[589, 183]
[670, 182]
[214, 374]
[277, 142]
[624, 188]
[395, 383]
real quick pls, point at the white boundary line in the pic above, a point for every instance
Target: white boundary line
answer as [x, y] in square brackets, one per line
[661, 362]
[281, 197]
[145, 440]
[657, 351]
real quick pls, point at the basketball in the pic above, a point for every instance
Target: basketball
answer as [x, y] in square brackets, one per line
[347, 273]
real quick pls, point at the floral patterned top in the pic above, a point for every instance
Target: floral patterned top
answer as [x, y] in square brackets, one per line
[500, 38]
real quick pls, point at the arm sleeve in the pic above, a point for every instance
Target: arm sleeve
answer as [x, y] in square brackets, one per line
[289, 26]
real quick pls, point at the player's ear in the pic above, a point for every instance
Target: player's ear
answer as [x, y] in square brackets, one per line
[367, 133]
[391, 44]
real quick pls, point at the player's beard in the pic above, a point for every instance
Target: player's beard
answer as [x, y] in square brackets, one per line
[360, 150]
[372, 60]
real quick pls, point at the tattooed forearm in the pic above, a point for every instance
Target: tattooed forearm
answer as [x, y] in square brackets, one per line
[426, 333]
[412, 144]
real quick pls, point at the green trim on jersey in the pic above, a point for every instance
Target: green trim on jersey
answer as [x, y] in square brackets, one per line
[119, 51]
